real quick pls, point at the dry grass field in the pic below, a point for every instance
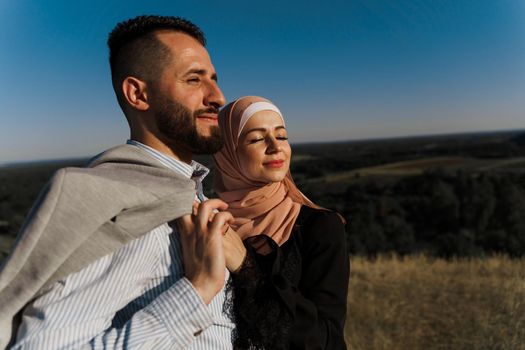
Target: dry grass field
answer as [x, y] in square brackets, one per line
[425, 303]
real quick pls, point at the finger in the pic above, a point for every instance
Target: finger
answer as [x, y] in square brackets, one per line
[239, 221]
[195, 208]
[219, 221]
[230, 230]
[186, 231]
[213, 204]
[206, 209]
[225, 229]
[212, 215]
[184, 224]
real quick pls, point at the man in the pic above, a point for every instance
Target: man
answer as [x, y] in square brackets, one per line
[99, 262]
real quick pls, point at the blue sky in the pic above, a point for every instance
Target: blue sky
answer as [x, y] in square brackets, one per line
[338, 70]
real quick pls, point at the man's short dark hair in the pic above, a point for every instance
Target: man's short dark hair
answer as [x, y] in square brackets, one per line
[134, 50]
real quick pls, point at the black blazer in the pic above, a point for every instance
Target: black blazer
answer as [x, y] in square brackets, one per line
[294, 297]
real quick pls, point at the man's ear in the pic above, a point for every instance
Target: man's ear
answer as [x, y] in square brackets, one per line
[135, 93]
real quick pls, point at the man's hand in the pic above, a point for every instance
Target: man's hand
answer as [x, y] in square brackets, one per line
[202, 250]
[234, 250]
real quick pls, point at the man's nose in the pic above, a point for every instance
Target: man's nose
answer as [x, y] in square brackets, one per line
[214, 95]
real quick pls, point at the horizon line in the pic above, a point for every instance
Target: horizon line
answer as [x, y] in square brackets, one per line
[356, 140]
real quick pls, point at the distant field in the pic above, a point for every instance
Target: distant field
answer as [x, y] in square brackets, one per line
[423, 303]
[460, 195]
[419, 166]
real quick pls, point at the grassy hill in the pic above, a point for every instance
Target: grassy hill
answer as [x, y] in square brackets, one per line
[423, 303]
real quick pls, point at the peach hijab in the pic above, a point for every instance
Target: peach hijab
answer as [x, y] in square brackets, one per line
[259, 208]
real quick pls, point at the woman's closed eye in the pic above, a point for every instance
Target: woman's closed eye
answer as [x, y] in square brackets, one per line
[255, 140]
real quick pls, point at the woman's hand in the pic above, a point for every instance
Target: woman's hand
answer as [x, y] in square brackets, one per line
[234, 250]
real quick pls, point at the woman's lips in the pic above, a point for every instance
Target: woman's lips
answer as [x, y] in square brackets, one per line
[274, 163]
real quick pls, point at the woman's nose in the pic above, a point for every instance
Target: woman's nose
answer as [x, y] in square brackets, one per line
[273, 145]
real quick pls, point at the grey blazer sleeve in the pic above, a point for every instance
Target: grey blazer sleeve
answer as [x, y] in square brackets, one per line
[84, 214]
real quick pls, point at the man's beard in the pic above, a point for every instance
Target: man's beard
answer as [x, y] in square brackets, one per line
[178, 124]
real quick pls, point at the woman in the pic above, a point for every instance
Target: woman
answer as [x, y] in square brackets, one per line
[290, 277]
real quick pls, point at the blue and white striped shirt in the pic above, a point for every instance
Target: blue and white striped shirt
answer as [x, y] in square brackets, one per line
[136, 297]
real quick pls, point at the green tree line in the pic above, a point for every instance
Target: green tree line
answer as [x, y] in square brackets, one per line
[446, 215]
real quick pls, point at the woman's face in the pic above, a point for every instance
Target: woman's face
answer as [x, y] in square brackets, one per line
[263, 149]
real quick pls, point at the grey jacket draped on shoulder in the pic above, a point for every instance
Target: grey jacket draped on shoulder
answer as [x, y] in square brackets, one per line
[84, 214]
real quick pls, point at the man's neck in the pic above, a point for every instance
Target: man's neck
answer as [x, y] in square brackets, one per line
[170, 150]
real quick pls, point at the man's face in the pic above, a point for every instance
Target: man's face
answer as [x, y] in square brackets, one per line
[186, 98]
[179, 124]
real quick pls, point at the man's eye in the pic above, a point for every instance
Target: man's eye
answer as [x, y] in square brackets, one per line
[193, 80]
[282, 138]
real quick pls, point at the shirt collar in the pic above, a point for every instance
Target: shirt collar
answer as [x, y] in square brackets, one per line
[199, 171]
[195, 170]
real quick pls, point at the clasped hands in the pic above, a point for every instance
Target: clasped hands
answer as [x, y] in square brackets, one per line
[209, 245]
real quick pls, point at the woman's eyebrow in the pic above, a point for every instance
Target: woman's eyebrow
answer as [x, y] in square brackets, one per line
[255, 129]
[264, 129]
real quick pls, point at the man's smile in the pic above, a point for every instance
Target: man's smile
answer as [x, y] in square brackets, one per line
[209, 118]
